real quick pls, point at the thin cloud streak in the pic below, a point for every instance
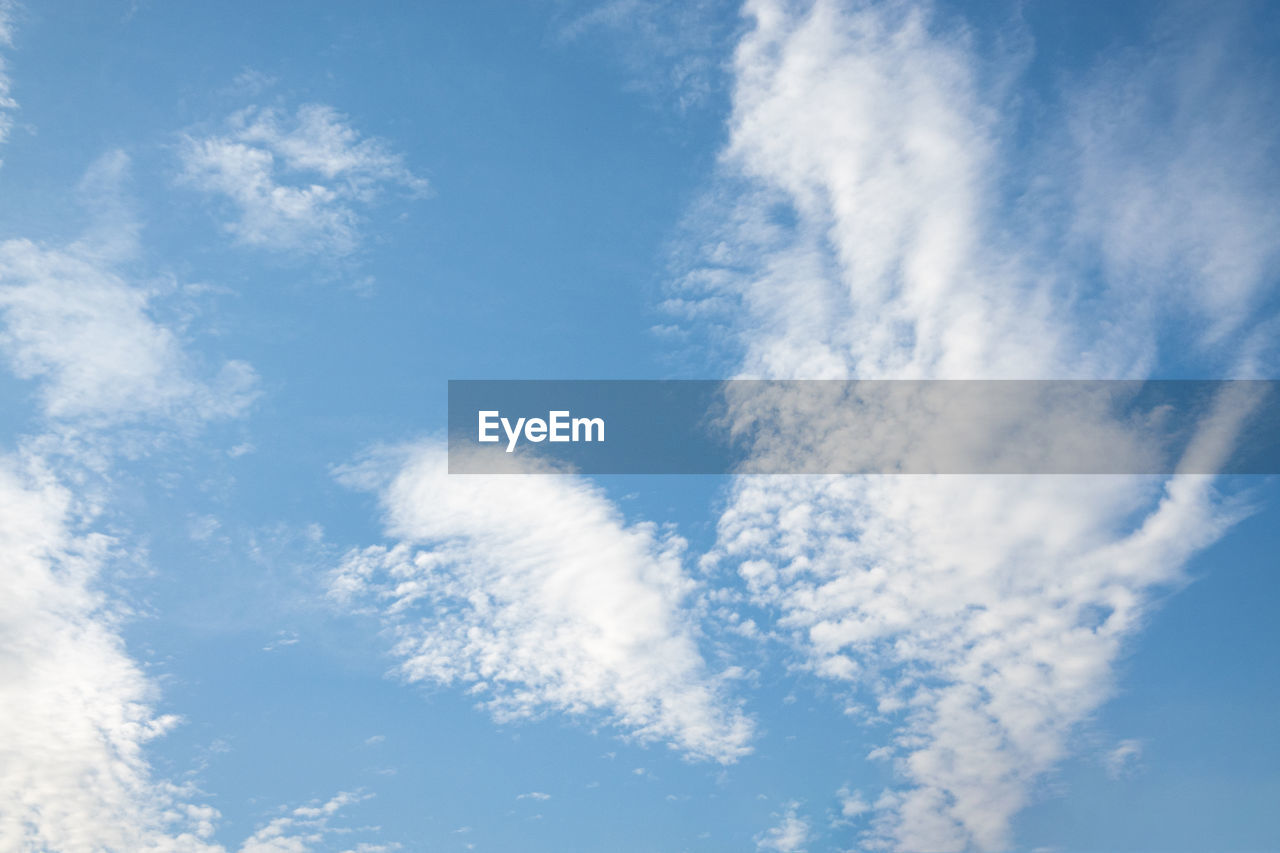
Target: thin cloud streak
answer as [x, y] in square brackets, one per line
[7, 102]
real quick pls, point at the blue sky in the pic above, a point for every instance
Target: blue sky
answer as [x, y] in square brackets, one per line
[244, 246]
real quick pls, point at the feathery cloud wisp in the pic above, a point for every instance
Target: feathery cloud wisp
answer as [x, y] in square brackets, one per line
[7, 103]
[296, 182]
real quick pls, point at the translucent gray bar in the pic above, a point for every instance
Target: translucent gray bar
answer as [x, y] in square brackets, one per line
[864, 426]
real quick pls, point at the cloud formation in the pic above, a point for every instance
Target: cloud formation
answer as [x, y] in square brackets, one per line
[534, 593]
[76, 712]
[71, 322]
[789, 836]
[1182, 219]
[668, 49]
[864, 227]
[7, 102]
[306, 827]
[1123, 759]
[296, 182]
[90, 337]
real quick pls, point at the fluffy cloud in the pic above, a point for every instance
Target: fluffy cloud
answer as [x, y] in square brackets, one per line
[534, 592]
[863, 229]
[296, 182]
[864, 143]
[76, 712]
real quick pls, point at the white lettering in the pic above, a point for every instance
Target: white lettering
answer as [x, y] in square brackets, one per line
[587, 424]
[513, 435]
[559, 426]
[486, 424]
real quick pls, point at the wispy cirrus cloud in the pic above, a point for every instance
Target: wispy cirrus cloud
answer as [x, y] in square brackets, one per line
[1183, 220]
[669, 49]
[296, 182]
[864, 227]
[1124, 759]
[534, 593]
[7, 102]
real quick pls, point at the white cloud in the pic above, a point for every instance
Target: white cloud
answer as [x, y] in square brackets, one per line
[861, 230]
[982, 616]
[534, 795]
[852, 804]
[76, 712]
[297, 181]
[251, 82]
[668, 49]
[535, 592]
[306, 827]
[865, 143]
[789, 836]
[90, 337]
[283, 639]
[7, 103]
[1185, 218]
[114, 231]
[1123, 759]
